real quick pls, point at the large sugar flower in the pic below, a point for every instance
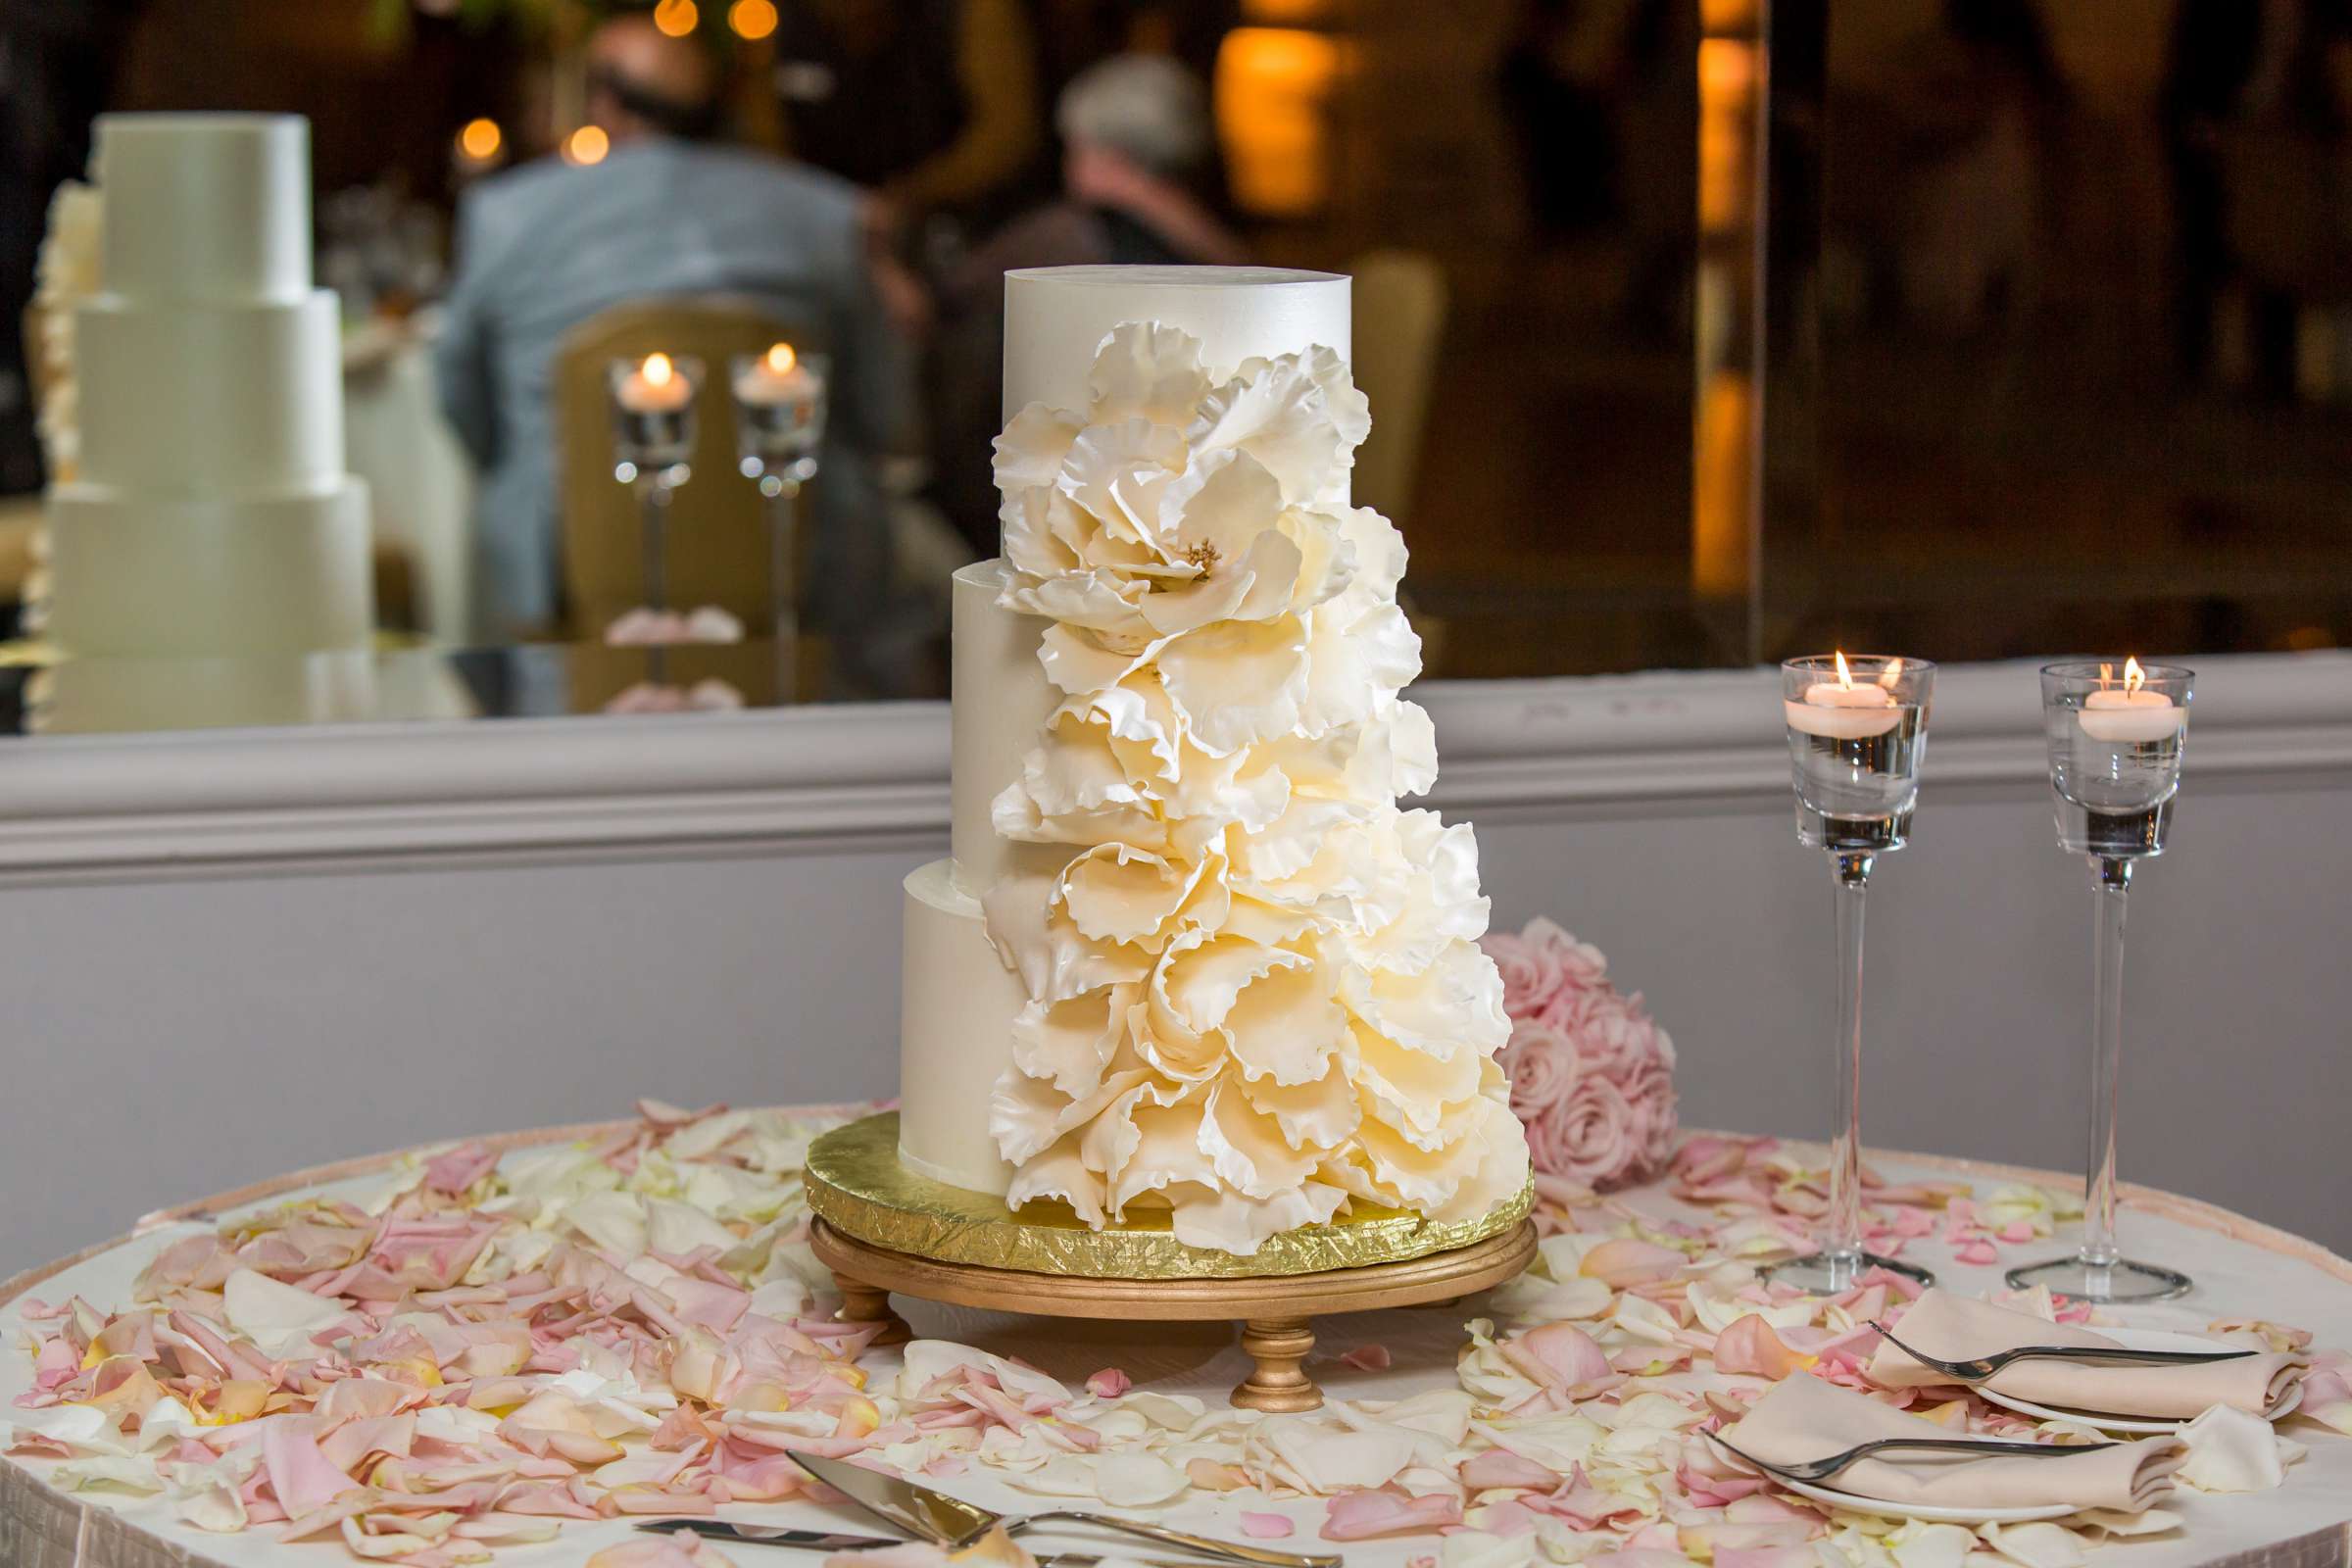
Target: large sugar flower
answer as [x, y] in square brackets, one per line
[1254, 994]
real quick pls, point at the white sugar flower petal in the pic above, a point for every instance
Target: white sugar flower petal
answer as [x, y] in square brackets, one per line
[1117, 894]
[1145, 370]
[1033, 446]
[1237, 682]
[1358, 664]
[1059, 1173]
[1070, 1044]
[1283, 420]
[1232, 1223]
[1096, 599]
[1217, 508]
[1117, 474]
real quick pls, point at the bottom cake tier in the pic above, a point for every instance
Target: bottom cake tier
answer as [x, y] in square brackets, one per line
[957, 1002]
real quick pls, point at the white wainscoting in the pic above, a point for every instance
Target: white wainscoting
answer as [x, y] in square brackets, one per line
[233, 955]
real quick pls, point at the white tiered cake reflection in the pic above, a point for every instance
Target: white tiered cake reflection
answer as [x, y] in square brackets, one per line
[211, 555]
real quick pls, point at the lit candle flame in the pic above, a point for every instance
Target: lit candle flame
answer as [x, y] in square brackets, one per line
[1891, 673]
[658, 369]
[2135, 677]
[1845, 676]
[781, 359]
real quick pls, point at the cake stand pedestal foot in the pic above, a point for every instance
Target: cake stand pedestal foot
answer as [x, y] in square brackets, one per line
[861, 1302]
[1278, 1345]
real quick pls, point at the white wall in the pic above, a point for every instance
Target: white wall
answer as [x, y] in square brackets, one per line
[229, 959]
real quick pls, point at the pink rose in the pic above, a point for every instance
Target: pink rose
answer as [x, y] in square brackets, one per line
[1543, 1068]
[1587, 1138]
[1540, 963]
[1592, 1073]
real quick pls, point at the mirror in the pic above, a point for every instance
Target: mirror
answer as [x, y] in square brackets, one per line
[1987, 326]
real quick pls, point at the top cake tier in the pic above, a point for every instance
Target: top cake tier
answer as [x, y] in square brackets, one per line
[212, 208]
[1057, 316]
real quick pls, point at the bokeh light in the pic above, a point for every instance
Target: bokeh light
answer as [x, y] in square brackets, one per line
[586, 145]
[480, 140]
[676, 16]
[751, 19]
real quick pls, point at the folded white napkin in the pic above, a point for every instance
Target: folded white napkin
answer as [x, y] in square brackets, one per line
[1802, 1417]
[1954, 1328]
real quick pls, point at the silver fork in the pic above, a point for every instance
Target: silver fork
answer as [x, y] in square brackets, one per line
[1984, 1367]
[1823, 1469]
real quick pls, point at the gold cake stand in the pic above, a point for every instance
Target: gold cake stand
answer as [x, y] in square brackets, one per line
[883, 1229]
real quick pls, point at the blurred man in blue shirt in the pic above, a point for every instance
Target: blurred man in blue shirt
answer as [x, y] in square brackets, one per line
[666, 212]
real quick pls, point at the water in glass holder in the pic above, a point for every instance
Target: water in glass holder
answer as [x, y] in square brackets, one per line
[779, 416]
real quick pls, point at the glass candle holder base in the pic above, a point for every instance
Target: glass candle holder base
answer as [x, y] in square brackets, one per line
[1831, 1273]
[2120, 1280]
[2114, 835]
[1853, 835]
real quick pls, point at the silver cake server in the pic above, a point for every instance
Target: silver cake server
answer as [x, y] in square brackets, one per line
[953, 1523]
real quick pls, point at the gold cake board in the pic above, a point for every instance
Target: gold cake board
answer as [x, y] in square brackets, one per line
[883, 1229]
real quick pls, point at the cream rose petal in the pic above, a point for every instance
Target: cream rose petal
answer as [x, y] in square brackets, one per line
[1145, 370]
[1283, 420]
[1237, 682]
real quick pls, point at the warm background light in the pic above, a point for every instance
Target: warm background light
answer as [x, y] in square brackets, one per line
[676, 16]
[586, 145]
[751, 19]
[781, 359]
[658, 369]
[1273, 96]
[480, 139]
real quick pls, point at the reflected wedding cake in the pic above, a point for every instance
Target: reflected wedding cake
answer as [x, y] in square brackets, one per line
[204, 533]
[1188, 954]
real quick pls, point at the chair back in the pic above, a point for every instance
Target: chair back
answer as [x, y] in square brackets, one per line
[1399, 318]
[716, 550]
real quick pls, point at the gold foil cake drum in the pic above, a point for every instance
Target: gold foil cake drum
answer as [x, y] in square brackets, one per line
[857, 1186]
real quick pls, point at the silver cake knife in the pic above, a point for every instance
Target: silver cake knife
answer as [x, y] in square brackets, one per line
[953, 1523]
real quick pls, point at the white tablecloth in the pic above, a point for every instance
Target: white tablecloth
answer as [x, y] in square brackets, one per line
[2245, 1275]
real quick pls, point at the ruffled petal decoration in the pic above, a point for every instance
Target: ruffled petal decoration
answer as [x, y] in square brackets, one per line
[1254, 994]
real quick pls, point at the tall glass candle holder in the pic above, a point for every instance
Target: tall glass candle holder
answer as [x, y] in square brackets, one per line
[1856, 731]
[779, 429]
[653, 443]
[2115, 737]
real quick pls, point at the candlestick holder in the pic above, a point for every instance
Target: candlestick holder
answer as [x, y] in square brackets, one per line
[1856, 732]
[2115, 769]
[779, 431]
[653, 445]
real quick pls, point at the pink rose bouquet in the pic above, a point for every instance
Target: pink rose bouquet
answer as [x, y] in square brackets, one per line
[1592, 1073]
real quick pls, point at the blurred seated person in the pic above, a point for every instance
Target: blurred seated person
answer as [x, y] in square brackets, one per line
[1135, 138]
[542, 248]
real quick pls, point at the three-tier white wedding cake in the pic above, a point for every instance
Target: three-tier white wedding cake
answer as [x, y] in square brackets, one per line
[209, 548]
[1188, 954]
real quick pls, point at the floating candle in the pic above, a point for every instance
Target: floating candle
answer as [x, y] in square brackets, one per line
[1838, 709]
[2129, 714]
[655, 387]
[777, 378]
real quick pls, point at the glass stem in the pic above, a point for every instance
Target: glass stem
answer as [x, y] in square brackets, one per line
[784, 600]
[654, 515]
[2098, 1250]
[1842, 1236]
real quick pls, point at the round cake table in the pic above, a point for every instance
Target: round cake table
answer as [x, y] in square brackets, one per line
[2244, 1269]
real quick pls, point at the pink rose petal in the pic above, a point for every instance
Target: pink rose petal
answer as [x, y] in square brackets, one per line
[1267, 1526]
